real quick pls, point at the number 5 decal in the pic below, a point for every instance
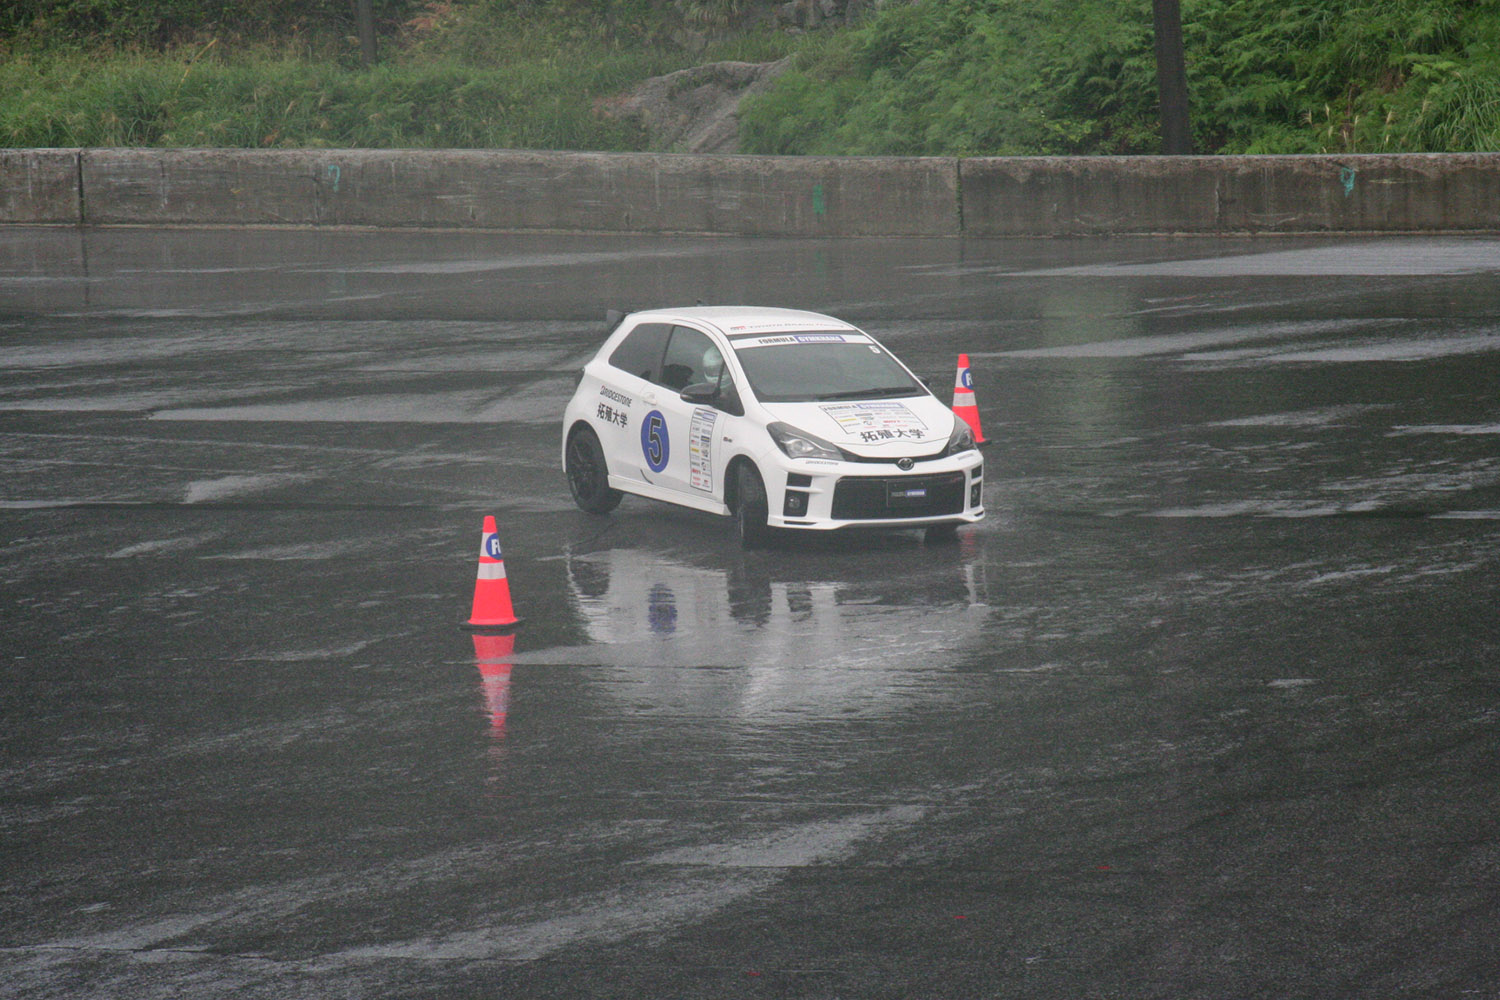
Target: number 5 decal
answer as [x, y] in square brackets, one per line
[654, 443]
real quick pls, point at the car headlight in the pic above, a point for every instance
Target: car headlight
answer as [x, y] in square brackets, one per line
[800, 444]
[962, 438]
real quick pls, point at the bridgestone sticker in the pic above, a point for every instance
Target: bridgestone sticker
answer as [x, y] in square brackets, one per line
[700, 450]
[876, 421]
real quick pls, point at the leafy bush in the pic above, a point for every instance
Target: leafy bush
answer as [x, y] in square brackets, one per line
[1079, 76]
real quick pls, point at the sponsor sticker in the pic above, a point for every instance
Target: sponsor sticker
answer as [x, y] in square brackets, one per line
[875, 421]
[700, 449]
[749, 343]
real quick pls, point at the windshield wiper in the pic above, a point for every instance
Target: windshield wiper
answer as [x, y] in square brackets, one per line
[890, 390]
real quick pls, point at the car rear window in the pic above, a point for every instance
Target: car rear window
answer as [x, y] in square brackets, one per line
[640, 352]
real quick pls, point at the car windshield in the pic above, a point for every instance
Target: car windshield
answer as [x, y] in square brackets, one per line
[812, 368]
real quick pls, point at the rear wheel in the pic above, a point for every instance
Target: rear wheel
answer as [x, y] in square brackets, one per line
[750, 508]
[588, 476]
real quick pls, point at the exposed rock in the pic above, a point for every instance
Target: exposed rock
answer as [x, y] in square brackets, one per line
[696, 110]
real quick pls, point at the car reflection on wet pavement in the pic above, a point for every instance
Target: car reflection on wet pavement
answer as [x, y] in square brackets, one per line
[1206, 706]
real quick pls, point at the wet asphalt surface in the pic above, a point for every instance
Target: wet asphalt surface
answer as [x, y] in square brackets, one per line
[1207, 707]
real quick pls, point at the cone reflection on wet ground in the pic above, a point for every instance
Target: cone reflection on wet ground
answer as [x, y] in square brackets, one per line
[492, 654]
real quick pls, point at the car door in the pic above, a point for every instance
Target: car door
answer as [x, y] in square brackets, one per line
[678, 441]
[627, 394]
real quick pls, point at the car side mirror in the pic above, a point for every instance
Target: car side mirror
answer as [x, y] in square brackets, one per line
[700, 394]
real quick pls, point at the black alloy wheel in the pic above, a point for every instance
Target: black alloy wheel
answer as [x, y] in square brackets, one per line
[588, 475]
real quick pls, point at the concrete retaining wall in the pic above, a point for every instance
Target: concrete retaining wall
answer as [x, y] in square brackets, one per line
[752, 195]
[39, 186]
[1064, 196]
[784, 196]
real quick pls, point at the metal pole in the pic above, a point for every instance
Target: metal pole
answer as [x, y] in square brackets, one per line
[1171, 78]
[364, 14]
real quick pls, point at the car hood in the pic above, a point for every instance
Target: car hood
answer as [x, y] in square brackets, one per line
[873, 428]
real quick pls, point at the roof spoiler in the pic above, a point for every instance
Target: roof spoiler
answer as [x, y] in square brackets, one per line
[612, 320]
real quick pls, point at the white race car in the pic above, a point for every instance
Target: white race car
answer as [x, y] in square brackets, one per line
[777, 417]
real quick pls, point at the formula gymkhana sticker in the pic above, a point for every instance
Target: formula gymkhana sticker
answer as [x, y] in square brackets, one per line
[876, 420]
[700, 450]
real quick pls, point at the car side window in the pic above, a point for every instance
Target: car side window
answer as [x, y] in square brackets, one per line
[640, 351]
[729, 397]
[691, 358]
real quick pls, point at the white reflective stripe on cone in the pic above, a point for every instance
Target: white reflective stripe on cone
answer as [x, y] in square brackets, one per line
[491, 571]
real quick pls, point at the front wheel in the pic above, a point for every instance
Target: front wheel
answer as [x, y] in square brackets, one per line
[588, 476]
[750, 509]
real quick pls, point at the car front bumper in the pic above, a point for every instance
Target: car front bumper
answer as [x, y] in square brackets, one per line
[823, 496]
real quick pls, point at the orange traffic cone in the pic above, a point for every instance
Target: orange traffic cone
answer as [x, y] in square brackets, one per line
[963, 399]
[492, 654]
[491, 589]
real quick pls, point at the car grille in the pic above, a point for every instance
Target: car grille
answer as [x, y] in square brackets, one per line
[873, 498]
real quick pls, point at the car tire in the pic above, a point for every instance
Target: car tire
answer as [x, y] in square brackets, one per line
[588, 475]
[750, 508]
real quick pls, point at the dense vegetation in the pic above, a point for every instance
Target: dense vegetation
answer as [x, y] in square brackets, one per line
[1078, 76]
[925, 77]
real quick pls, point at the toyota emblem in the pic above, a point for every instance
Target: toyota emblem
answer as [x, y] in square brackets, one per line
[905, 464]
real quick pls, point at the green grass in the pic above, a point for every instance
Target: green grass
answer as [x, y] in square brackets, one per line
[508, 83]
[265, 101]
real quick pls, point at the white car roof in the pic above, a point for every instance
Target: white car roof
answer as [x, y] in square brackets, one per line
[734, 321]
